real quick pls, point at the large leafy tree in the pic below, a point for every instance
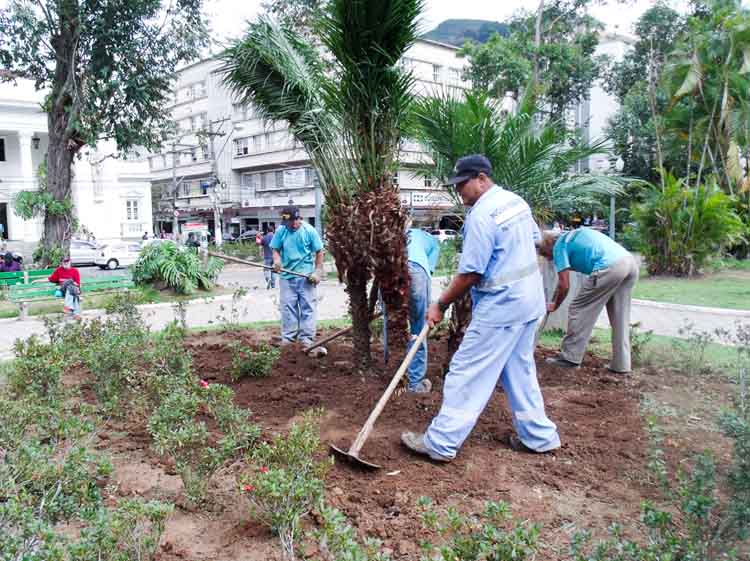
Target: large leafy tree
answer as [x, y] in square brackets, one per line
[108, 68]
[554, 46]
[347, 111]
[531, 158]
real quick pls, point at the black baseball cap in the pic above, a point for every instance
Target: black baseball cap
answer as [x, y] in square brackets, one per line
[289, 214]
[469, 167]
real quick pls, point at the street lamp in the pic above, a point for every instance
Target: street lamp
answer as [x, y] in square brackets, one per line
[619, 166]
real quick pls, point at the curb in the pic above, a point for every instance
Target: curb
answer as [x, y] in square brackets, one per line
[691, 308]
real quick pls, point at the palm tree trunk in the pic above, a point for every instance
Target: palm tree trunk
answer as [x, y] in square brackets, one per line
[459, 321]
[356, 287]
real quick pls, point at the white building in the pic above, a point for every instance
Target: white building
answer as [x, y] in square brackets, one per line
[112, 197]
[259, 165]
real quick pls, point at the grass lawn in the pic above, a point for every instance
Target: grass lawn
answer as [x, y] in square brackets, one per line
[145, 295]
[728, 288]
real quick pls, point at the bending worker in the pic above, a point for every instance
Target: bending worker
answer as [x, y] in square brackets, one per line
[424, 252]
[297, 247]
[499, 265]
[612, 273]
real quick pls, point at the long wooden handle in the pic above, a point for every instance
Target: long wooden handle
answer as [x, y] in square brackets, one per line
[367, 428]
[246, 262]
[339, 333]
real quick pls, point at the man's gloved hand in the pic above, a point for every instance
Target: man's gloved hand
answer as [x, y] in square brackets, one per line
[316, 276]
[277, 266]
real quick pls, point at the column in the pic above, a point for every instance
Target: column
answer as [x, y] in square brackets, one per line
[27, 171]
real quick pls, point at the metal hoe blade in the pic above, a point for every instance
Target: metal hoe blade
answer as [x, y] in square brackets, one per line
[352, 459]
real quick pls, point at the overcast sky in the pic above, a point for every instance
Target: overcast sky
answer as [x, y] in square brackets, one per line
[228, 17]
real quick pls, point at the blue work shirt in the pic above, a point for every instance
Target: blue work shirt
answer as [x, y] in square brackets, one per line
[499, 234]
[298, 248]
[585, 251]
[424, 250]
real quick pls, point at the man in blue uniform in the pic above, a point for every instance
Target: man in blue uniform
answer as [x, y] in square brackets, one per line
[499, 265]
[612, 273]
[297, 247]
[424, 252]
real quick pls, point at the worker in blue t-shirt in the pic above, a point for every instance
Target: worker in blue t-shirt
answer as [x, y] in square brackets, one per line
[612, 273]
[297, 247]
[499, 265]
[424, 251]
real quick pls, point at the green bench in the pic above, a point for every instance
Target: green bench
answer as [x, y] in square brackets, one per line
[23, 277]
[24, 294]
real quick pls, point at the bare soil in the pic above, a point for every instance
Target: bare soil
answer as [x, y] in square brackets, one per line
[598, 477]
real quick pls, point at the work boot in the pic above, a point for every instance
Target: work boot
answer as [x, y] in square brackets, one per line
[609, 367]
[415, 442]
[424, 386]
[561, 362]
[517, 445]
[318, 352]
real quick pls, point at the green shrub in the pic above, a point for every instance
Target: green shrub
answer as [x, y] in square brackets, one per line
[179, 268]
[254, 363]
[284, 482]
[37, 370]
[681, 228]
[639, 343]
[178, 431]
[244, 250]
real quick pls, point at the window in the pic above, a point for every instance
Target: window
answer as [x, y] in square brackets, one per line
[267, 141]
[428, 181]
[257, 147]
[199, 89]
[241, 147]
[193, 122]
[131, 208]
[279, 179]
[202, 121]
[455, 76]
[164, 161]
[309, 176]
[394, 179]
[2, 149]
[437, 73]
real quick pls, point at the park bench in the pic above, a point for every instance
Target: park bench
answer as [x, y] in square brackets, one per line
[24, 294]
[23, 277]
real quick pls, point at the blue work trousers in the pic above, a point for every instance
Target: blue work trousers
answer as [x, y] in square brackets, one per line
[269, 275]
[298, 310]
[419, 299]
[486, 354]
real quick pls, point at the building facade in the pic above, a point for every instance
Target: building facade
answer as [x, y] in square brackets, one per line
[259, 166]
[112, 198]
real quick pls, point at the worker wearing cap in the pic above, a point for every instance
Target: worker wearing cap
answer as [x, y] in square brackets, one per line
[499, 265]
[612, 273]
[297, 247]
[423, 251]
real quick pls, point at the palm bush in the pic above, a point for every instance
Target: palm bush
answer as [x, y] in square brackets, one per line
[178, 268]
[347, 111]
[681, 228]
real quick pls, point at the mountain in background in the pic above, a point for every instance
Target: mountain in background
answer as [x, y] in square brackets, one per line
[458, 31]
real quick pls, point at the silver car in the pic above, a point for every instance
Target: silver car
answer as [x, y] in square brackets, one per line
[83, 253]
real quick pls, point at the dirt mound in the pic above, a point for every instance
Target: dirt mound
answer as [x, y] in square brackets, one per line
[592, 481]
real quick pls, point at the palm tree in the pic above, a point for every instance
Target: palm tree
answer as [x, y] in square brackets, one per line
[535, 160]
[347, 111]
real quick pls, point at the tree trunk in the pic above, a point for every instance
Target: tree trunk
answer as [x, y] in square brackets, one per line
[387, 221]
[58, 226]
[356, 287]
[459, 321]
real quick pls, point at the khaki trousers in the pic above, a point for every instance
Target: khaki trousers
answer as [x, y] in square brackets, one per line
[612, 286]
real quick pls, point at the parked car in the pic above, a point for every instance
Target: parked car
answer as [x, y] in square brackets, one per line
[247, 236]
[444, 235]
[83, 253]
[116, 255]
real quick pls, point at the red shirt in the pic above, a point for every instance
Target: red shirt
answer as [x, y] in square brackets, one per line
[61, 273]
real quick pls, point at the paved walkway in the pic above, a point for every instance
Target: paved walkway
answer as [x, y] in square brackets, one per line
[259, 304]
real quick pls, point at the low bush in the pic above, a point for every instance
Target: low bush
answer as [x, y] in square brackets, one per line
[37, 370]
[178, 268]
[284, 482]
[178, 429]
[253, 362]
[682, 228]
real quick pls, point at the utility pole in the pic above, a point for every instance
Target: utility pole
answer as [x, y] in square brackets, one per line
[218, 234]
[175, 187]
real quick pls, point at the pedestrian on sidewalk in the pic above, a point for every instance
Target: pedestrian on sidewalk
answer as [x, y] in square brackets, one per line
[69, 280]
[499, 265]
[424, 251]
[296, 246]
[612, 273]
[265, 242]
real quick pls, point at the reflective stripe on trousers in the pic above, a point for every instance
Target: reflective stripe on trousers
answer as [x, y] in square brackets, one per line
[486, 354]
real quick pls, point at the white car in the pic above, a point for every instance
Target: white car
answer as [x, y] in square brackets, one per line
[118, 254]
[444, 235]
[83, 252]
